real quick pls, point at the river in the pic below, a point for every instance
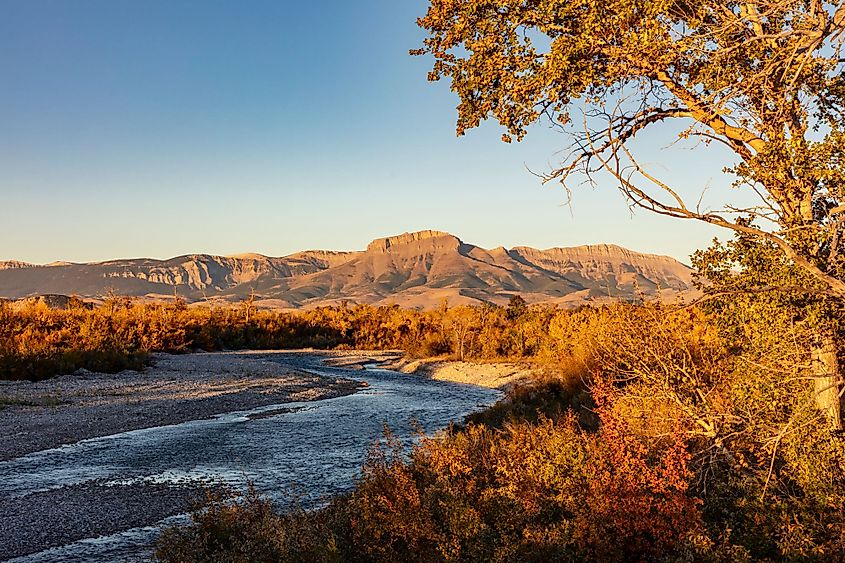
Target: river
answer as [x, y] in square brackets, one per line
[308, 449]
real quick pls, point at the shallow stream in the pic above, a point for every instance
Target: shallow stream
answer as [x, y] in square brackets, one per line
[308, 449]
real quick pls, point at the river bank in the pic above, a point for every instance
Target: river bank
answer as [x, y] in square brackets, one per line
[493, 375]
[153, 442]
[66, 409]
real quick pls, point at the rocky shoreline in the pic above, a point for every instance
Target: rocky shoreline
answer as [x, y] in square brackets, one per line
[494, 375]
[176, 389]
[35, 417]
[33, 523]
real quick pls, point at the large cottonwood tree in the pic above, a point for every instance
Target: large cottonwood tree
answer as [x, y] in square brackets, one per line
[762, 78]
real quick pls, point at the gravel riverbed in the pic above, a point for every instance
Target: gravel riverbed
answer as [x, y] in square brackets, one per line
[35, 522]
[93, 466]
[175, 389]
[35, 417]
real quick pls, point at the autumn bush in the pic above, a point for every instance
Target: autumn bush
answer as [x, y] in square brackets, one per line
[655, 434]
[37, 342]
[531, 491]
[683, 433]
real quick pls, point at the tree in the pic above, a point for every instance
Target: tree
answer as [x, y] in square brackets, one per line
[760, 77]
[516, 307]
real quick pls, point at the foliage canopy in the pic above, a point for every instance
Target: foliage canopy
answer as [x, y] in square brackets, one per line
[761, 77]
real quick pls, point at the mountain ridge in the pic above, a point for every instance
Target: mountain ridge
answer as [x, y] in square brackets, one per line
[416, 269]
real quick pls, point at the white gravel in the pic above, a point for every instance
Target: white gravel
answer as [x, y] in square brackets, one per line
[175, 389]
[67, 409]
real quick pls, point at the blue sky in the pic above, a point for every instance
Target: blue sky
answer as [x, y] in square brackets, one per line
[160, 128]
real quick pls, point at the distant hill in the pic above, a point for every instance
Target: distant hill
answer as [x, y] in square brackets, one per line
[413, 270]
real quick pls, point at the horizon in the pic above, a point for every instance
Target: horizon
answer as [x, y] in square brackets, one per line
[247, 254]
[162, 129]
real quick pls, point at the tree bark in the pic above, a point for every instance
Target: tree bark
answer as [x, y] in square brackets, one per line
[827, 380]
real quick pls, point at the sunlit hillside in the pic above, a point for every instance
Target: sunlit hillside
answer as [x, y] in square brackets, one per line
[412, 270]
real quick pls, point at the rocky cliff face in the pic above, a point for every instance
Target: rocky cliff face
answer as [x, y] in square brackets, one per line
[385, 244]
[413, 269]
[606, 260]
[199, 271]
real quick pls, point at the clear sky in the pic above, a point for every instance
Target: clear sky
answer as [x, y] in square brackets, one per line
[164, 127]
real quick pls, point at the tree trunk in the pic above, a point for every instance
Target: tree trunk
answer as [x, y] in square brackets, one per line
[827, 380]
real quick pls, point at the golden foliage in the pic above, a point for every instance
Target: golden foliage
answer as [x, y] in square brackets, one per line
[636, 445]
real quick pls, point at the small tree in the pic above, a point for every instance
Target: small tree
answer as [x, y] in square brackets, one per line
[248, 306]
[516, 307]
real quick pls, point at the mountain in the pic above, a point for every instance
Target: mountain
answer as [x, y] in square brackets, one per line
[413, 269]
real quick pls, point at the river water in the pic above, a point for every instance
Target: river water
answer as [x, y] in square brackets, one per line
[313, 449]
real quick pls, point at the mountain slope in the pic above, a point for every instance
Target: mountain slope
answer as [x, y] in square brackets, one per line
[413, 269]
